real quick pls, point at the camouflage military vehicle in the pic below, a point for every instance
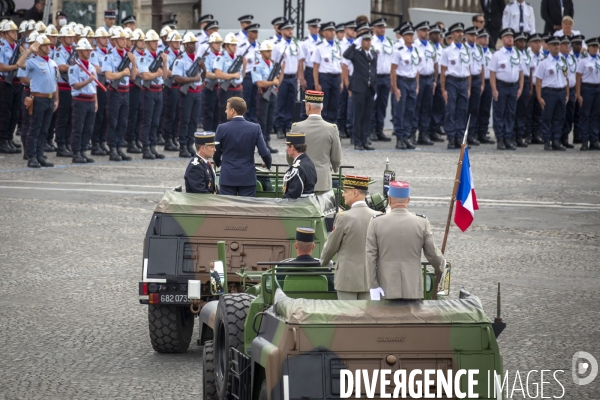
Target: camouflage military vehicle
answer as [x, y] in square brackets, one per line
[288, 337]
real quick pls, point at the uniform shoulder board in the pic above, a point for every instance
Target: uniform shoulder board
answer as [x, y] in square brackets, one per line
[206, 41]
[400, 48]
[243, 44]
[296, 164]
[420, 215]
[377, 215]
[320, 43]
[306, 38]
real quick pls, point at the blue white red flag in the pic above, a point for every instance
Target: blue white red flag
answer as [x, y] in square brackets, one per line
[466, 201]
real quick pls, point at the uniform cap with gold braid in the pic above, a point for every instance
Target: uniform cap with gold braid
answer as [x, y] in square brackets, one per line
[204, 138]
[305, 234]
[313, 96]
[295, 138]
[356, 182]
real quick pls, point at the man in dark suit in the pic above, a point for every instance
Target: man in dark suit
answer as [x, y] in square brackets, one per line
[362, 85]
[492, 12]
[553, 11]
[236, 141]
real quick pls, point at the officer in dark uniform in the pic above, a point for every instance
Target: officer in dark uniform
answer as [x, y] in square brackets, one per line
[200, 176]
[300, 179]
[305, 244]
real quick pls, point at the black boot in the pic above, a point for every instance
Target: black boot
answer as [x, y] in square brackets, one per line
[521, 142]
[113, 155]
[382, 137]
[48, 148]
[509, 144]
[451, 143]
[97, 151]
[558, 146]
[409, 145]
[25, 156]
[132, 148]
[567, 145]
[170, 146]
[122, 143]
[191, 149]
[548, 145]
[51, 145]
[147, 154]
[500, 145]
[272, 150]
[138, 144]
[87, 159]
[68, 146]
[458, 142]
[44, 163]
[584, 146]
[472, 141]
[156, 153]
[400, 145]
[63, 151]
[104, 148]
[483, 139]
[124, 156]
[441, 131]
[537, 140]
[78, 159]
[424, 139]
[5, 148]
[595, 145]
[33, 163]
[435, 137]
[16, 145]
[183, 153]
[11, 144]
[160, 140]
[280, 135]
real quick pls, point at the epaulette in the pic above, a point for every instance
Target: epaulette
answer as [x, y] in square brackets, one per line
[377, 215]
[319, 43]
[243, 44]
[296, 164]
[420, 215]
[306, 38]
[400, 48]
[206, 41]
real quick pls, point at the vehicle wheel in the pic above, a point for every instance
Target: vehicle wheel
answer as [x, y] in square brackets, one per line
[263, 391]
[209, 390]
[170, 328]
[229, 332]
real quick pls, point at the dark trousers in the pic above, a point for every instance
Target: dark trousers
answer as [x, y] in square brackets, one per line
[210, 108]
[534, 116]
[383, 95]
[250, 97]
[151, 106]
[589, 114]
[422, 115]
[474, 105]
[223, 97]
[521, 113]
[135, 114]
[350, 116]
[117, 111]
[286, 98]
[330, 86]
[505, 109]
[40, 122]
[569, 116]
[455, 120]
[438, 109]
[170, 114]
[63, 117]
[247, 191]
[266, 114]
[363, 107]
[342, 111]
[52, 128]
[576, 129]
[553, 116]
[10, 98]
[190, 105]
[82, 118]
[485, 110]
[100, 121]
[310, 85]
[25, 118]
[404, 109]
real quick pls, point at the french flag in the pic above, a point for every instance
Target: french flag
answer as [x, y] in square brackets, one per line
[466, 201]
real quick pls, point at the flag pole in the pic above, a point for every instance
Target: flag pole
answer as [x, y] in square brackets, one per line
[456, 182]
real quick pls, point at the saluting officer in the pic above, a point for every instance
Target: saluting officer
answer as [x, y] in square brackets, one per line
[404, 77]
[286, 98]
[84, 102]
[221, 66]
[384, 48]
[25, 81]
[327, 70]
[190, 103]
[477, 81]
[552, 91]
[588, 96]
[10, 92]
[63, 114]
[485, 106]
[308, 48]
[506, 79]
[170, 114]
[253, 57]
[519, 16]
[428, 64]
[348, 241]
[456, 86]
[133, 133]
[211, 96]
[521, 110]
[571, 61]
[260, 78]
[200, 175]
[300, 179]
[117, 109]
[101, 120]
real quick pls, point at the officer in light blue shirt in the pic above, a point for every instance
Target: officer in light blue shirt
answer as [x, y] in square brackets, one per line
[170, 116]
[266, 107]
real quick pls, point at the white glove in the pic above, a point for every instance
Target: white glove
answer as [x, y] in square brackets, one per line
[376, 293]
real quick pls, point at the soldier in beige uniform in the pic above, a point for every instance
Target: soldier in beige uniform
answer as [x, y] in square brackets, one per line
[394, 245]
[348, 239]
[322, 140]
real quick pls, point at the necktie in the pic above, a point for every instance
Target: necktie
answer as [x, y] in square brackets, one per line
[521, 22]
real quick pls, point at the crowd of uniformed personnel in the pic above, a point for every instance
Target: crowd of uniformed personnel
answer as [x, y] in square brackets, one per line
[119, 90]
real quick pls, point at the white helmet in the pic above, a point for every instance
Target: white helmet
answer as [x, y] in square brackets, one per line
[72, 24]
[165, 31]
[128, 32]
[230, 38]
[118, 33]
[266, 45]
[111, 30]
[215, 37]
[173, 36]
[51, 30]
[40, 27]
[66, 31]
[88, 32]
[189, 38]
[23, 26]
[151, 35]
[138, 34]
[83, 44]
[42, 39]
[78, 30]
[80, 26]
[10, 26]
[33, 36]
[101, 32]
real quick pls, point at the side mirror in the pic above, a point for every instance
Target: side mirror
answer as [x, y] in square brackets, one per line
[217, 277]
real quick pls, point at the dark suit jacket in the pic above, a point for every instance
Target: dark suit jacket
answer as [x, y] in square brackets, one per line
[365, 69]
[493, 19]
[236, 141]
[551, 13]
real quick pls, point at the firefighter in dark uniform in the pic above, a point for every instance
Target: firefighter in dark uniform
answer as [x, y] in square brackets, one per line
[300, 179]
[170, 116]
[100, 122]
[132, 135]
[200, 176]
[10, 92]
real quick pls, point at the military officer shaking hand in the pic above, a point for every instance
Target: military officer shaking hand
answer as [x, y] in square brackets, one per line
[200, 176]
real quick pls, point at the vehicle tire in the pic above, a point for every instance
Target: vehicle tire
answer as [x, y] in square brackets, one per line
[263, 391]
[209, 390]
[229, 332]
[170, 327]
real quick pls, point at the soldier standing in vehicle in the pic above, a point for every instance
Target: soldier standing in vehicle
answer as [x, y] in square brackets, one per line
[266, 107]
[347, 241]
[200, 175]
[300, 179]
[395, 242]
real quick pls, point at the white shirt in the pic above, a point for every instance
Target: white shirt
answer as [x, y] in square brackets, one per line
[358, 202]
[477, 59]
[427, 57]
[589, 68]
[506, 64]
[329, 58]
[571, 62]
[512, 17]
[438, 55]
[553, 72]
[241, 37]
[535, 60]
[201, 48]
[344, 44]
[526, 62]
[487, 56]
[384, 49]
[293, 53]
[399, 43]
[456, 60]
[308, 48]
[406, 61]
[252, 56]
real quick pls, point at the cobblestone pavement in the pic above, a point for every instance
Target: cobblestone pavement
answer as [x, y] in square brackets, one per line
[70, 259]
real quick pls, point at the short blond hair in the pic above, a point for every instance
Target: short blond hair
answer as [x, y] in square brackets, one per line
[568, 19]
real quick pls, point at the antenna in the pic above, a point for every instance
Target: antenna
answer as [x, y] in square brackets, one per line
[498, 306]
